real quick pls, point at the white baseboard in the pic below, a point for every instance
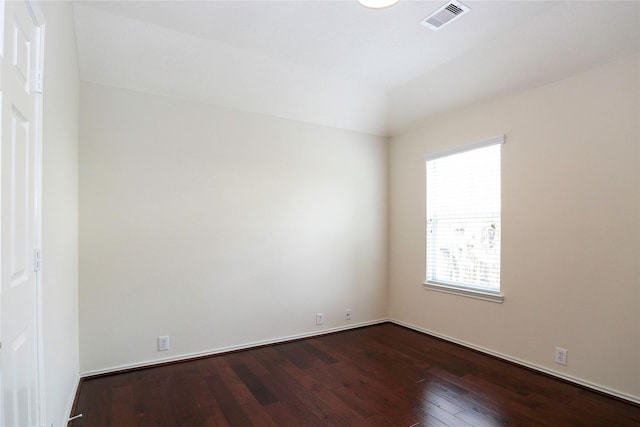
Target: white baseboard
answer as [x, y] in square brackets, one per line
[220, 350]
[533, 366]
[524, 363]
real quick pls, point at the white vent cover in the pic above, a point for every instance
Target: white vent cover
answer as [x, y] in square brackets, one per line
[444, 15]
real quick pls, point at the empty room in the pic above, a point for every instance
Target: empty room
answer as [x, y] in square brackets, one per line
[320, 213]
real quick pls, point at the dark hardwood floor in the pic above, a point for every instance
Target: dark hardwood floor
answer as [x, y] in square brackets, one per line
[383, 375]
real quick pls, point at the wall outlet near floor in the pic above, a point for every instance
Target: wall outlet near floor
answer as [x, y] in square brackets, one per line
[561, 356]
[347, 314]
[163, 343]
[319, 318]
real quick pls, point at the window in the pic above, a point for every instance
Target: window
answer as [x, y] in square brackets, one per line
[464, 220]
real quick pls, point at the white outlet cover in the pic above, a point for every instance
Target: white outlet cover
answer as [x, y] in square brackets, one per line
[561, 356]
[163, 343]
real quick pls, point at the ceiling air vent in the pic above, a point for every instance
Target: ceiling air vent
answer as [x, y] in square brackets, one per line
[444, 15]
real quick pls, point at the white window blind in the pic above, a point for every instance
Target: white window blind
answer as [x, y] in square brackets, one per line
[464, 217]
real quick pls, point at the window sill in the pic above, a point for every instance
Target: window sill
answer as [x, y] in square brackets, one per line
[465, 292]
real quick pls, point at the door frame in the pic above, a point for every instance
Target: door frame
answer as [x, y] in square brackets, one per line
[37, 86]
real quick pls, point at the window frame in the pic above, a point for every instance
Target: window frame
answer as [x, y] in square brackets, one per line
[452, 288]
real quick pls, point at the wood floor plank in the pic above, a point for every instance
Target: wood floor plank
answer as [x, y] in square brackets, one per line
[230, 407]
[316, 353]
[429, 411]
[122, 406]
[261, 392]
[383, 375]
[479, 399]
[296, 355]
[311, 394]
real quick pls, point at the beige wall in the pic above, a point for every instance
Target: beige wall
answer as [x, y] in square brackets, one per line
[571, 228]
[60, 212]
[221, 228]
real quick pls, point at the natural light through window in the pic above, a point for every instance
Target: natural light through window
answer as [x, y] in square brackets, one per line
[464, 219]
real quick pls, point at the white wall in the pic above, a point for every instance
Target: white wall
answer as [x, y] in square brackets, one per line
[221, 228]
[571, 228]
[179, 65]
[60, 212]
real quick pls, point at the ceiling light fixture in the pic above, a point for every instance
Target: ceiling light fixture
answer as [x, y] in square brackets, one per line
[377, 4]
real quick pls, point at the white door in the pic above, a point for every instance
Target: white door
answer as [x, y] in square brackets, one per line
[19, 216]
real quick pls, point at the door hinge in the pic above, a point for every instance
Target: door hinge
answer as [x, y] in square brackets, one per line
[37, 260]
[37, 81]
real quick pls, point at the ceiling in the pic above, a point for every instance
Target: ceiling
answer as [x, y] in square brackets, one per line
[338, 64]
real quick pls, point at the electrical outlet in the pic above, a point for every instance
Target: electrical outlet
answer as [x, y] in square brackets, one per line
[163, 343]
[347, 314]
[561, 356]
[319, 318]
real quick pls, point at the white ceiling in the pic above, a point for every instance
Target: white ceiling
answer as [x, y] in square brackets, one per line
[338, 64]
